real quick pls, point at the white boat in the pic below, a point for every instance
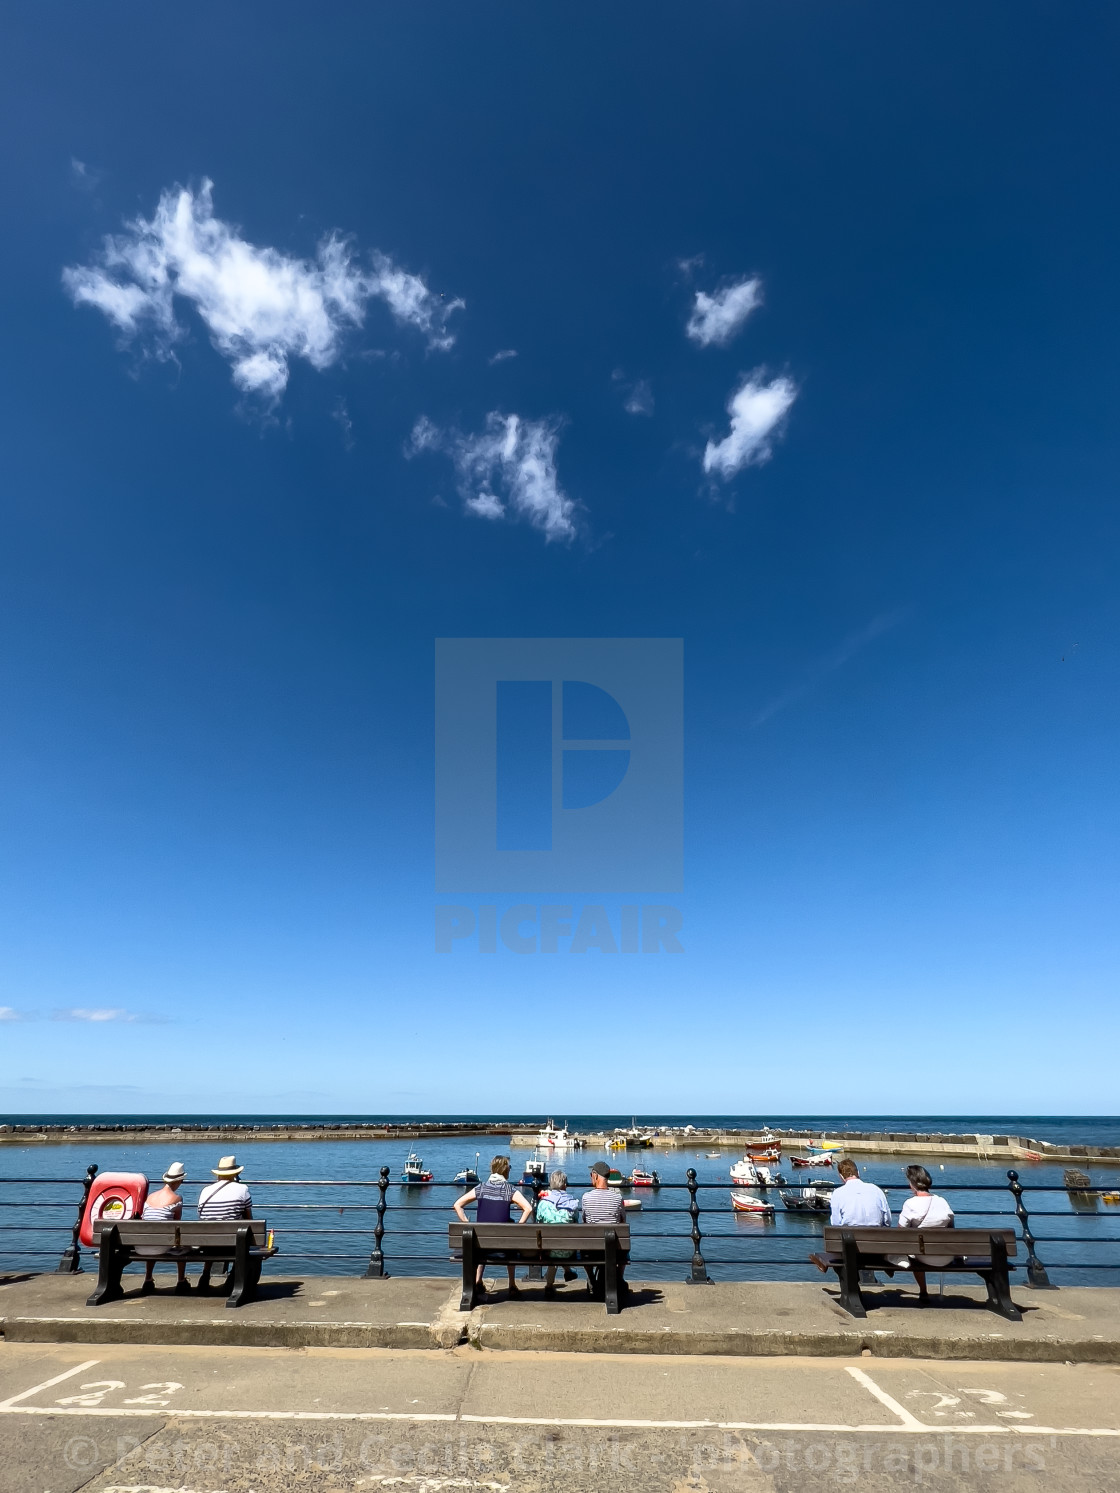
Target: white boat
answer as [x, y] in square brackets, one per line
[746, 1202]
[748, 1173]
[556, 1138]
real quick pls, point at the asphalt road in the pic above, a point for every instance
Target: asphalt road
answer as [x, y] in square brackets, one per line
[231, 1420]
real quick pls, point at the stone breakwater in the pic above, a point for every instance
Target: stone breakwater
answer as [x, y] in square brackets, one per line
[1009, 1148]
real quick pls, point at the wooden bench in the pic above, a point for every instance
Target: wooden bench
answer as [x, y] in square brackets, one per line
[604, 1247]
[983, 1252]
[242, 1242]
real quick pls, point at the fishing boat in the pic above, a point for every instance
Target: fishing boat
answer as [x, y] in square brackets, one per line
[536, 1171]
[766, 1148]
[414, 1170]
[469, 1175]
[616, 1143]
[616, 1179]
[748, 1173]
[746, 1202]
[816, 1158]
[557, 1138]
[639, 1177]
[816, 1199]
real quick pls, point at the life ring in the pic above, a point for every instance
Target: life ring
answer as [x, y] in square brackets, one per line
[113, 1197]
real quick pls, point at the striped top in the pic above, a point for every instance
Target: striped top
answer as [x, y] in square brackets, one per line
[224, 1200]
[603, 1205]
[163, 1214]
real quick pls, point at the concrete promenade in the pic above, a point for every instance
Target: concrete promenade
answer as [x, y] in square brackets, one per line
[667, 1319]
[127, 1418]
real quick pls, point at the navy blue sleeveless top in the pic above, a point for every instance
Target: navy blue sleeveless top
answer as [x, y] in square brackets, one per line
[494, 1199]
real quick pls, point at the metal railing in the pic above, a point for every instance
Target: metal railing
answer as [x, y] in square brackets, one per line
[678, 1226]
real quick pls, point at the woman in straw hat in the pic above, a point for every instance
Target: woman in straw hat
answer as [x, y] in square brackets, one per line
[225, 1198]
[163, 1206]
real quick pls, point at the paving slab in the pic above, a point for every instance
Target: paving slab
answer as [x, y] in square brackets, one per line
[343, 1312]
[769, 1319]
[781, 1318]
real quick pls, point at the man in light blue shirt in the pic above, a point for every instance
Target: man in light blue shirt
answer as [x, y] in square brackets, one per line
[858, 1204]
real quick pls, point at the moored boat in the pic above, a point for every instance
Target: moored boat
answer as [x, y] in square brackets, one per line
[468, 1177]
[557, 1138]
[817, 1199]
[817, 1158]
[713, 1155]
[639, 1177]
[616, 1179]
[415, 1171]
[746, 1202]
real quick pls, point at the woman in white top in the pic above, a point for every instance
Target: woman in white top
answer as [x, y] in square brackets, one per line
[165, 1206]
[923, 1210]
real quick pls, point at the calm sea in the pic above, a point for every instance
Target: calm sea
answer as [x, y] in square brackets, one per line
[329, 1229]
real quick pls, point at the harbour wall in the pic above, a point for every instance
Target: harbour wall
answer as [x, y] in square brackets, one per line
[1009, 1148]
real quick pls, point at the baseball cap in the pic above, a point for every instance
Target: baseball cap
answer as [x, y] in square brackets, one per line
[601, 1168]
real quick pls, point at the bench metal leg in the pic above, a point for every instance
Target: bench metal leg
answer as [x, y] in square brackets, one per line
[112, 1261]
[242, 1269]
[470, 1270]
[850, 1298]
[998, 1282]
[610, 1273]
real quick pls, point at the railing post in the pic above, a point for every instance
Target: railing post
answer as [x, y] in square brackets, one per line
[536, 1272]
[699, 1275]
[375, 1270]
[1036, 1270]
[71, 1261]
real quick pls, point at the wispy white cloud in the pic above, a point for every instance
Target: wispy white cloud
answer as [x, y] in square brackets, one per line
[507, 471]
[715, 319]
[83, 176]
[757, 410]
[637, 394]
[503, 355]
[101, 1014]
[8, 1013]
[261, 307]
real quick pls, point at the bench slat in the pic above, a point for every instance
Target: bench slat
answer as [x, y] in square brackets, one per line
[538, 1236]
[193, 1233]
[919, 1241]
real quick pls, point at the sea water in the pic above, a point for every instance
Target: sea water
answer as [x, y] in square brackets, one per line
[329, 1230]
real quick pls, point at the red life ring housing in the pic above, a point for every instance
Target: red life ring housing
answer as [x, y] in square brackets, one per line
[114, 1195]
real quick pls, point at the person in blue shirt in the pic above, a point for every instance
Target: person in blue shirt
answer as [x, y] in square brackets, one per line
[856, 1204]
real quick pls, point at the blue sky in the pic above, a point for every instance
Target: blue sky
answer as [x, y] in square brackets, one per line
[789, 331]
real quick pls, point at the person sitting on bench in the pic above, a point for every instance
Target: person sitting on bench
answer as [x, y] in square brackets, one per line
[558, 1205]
[603, 1204]
[494, 1197]
[225, 1198]
[855, 1204]
[166, 1206]
[925, 1210]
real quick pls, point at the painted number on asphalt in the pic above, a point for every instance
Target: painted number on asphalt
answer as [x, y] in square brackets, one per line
[93, 1394]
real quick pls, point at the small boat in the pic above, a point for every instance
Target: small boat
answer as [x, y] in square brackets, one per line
[616, 1179]
[616, 1143]
[469, 1175]
[536, 1171]
[766, 1148]
[746, 1202]
[713, 1155]
[631, 1204]
[809, 1200]
[816, 1158]
[414, 1170]
[639, 1177]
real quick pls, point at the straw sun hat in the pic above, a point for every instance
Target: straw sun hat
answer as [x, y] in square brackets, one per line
[176, 1172]
[227, 1167]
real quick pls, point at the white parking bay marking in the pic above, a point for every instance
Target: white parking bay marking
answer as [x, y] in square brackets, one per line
[884, 1398]
[49, 1383]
